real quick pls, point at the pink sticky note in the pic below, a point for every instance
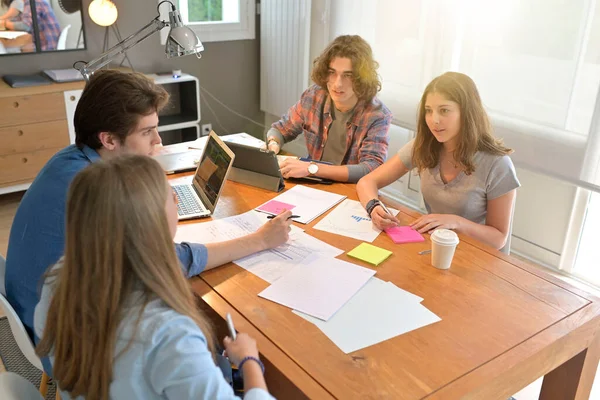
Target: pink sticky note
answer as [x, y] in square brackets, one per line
[275, 207]
[404, 234]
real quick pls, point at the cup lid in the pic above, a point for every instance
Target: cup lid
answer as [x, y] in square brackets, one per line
[444, 236]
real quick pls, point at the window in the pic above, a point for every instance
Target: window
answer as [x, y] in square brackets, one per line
[216, 20]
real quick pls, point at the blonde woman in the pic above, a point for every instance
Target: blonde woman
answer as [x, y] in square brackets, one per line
[468, 181]
[117, 317]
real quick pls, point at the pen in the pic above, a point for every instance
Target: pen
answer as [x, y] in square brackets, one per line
[230, 326]
[385, 208]
[291, 216]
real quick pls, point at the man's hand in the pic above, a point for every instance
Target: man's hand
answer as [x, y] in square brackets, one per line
[428, 223]
[276, 231]
[291, 168]
[273, 146]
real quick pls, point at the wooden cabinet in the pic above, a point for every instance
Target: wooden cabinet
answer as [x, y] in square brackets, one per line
[33, 127]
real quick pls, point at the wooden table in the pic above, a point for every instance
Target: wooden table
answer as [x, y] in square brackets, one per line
[504, 324]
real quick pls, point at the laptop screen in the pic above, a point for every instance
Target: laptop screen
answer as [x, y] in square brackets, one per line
[212, 170]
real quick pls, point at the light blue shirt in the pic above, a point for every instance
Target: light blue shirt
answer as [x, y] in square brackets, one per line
[168, 357]
[37, 235]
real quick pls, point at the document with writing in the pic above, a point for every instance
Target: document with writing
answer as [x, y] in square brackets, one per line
[220, 230]
[319, 287]
[378, 312]
[272, 264]
[308, 203]
[350, 219]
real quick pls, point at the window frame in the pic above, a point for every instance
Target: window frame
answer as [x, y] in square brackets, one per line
[215, 31]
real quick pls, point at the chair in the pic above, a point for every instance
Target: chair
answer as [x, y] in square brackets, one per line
[23, 341]
[62, 38]
[15, 387]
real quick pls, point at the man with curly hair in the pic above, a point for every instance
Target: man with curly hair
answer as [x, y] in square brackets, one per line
[343, 122]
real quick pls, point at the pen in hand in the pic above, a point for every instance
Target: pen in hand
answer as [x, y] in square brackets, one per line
[291, 216]
[232, 333]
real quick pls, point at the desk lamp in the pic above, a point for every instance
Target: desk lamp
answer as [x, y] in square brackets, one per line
[181, 41]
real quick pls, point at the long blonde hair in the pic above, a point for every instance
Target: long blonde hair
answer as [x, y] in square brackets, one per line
[475, 128]
[117, 242]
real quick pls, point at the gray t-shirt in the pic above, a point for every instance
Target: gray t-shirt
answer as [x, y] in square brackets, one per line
[18, 4]
[466, 195]
[335, 147]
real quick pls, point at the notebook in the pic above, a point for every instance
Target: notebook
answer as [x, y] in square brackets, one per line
[18, 81]
[404, 234]
[369, 253]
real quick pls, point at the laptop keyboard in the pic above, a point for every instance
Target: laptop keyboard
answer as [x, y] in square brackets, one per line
[186, 201]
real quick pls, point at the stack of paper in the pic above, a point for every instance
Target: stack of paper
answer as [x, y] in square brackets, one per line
[220, 230]
[378, 312]
[272, 264]
[240, 138]
[307, 202]
[369, 253]
[350, 219]
[319, 287]
[404, 234]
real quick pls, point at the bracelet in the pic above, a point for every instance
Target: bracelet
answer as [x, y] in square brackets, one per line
[371, 206]
[262, 366]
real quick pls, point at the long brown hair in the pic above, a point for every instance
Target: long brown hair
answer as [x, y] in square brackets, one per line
[117, 242]
[113, 101]
[475, 128]
[365, 81]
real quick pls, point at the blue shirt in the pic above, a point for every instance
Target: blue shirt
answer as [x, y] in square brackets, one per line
[168, 357]
[37, 235]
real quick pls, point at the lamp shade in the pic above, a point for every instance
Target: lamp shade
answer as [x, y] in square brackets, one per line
[182, 41]
[103, 12]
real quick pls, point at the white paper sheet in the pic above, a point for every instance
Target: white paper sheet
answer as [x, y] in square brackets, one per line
[308, 203]
[271, 265]
[319, 287]
[240, 138]
[224, 229]
[378, 312]
[350, 219]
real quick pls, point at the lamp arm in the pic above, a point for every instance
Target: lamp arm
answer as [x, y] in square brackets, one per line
[87, 69]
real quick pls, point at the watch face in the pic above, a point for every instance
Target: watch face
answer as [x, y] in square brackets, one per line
[313, 168]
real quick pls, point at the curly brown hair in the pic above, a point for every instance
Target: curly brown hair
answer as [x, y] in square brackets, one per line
[475, 128]
[365, 81]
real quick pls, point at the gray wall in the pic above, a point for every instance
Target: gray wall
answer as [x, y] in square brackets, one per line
[229, 70]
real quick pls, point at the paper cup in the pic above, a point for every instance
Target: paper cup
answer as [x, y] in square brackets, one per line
[443, 245]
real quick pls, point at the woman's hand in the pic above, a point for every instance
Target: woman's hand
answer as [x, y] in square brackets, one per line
[242, 346]
[428, 223]
[383, 220]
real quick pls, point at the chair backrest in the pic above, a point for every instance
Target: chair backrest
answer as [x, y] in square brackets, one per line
[2, 275]
[15, 387]
[62, 38]
[20, 334]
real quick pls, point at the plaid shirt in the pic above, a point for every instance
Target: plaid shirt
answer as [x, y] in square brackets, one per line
[367, 134]
[48, 26]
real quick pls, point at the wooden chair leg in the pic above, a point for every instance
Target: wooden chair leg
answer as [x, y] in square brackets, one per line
[44, 385]
[57, 393]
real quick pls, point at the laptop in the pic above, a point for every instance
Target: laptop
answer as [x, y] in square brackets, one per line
[199, 198]
[179, 162]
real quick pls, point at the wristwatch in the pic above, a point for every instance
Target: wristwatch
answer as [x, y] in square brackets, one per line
[371, 205]
[313, 168]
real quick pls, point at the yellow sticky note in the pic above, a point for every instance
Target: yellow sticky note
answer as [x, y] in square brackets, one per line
[369, 253]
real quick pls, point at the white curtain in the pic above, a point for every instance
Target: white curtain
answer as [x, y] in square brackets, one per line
[536, 64]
